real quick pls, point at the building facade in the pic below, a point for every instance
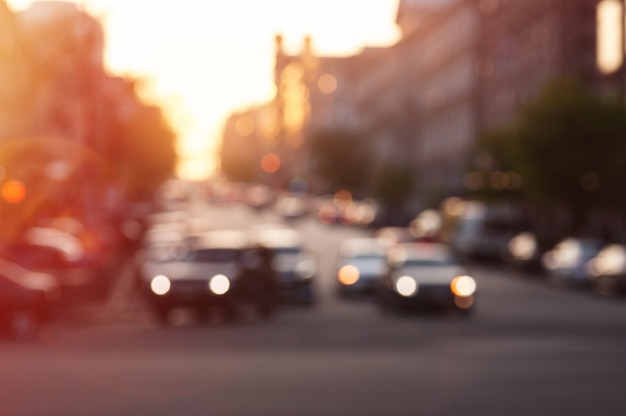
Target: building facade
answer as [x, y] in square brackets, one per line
[461, 68]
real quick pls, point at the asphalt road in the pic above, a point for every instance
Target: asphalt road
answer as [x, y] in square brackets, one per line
[529, 349]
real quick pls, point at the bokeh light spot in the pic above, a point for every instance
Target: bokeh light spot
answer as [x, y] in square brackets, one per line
[270, 163]
[244, 126]
[348, 275]
[327, 84]
[13, 192]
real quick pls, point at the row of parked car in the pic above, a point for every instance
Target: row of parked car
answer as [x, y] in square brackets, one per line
[570, 261]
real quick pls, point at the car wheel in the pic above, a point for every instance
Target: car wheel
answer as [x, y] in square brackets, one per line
[605, 286]
[24, 325]
[306, 295]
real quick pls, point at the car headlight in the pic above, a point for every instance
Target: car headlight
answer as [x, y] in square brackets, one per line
[463, 286]
[219, 284]
[348, 275]
[160, 285]
[306, 269]
[405, 286]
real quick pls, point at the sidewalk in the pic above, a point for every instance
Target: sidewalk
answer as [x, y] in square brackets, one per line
[109, 295]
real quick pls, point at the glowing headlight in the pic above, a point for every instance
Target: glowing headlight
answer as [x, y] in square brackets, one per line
[219, 284]
[306, 269]
[348, 275]
[405, 286]
[160, 285]
[463, 286]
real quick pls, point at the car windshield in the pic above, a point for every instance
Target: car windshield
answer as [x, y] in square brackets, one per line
[215, 255]
[445, 261]
[286, 251]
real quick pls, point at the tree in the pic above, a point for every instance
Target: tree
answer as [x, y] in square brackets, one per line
[393, 185]
[147, 153]
[341, 158]
[569, 147]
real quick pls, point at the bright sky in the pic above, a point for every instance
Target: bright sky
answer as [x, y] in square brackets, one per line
[205, 59]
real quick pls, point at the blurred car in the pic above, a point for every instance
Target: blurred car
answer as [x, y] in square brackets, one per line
[219, 269]
[295, 266]
[608, 271]
[566, 262]
[393, 234]
[526, 249]
[483, 231]
[291, 206]
[27, 300]
[423, 275]
[362, 263]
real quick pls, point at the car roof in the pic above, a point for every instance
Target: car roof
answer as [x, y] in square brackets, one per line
[279, 237]
[234, 239]
[404, 252]
[362, 246]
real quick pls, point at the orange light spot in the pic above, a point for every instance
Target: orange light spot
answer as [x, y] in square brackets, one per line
[348, 275]
[327, 84]
[270, 163]
[13, 192]
[342, 198]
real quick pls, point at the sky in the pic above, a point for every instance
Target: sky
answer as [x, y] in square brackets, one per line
[203, 60]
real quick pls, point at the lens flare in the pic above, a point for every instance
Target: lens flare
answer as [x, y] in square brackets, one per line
[13, 192]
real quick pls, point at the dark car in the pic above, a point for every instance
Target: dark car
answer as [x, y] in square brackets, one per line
[566, 262]
[362, 263]
[218, 270]
[295, 266]
[608, 271]
[27, 300]
[426, 275]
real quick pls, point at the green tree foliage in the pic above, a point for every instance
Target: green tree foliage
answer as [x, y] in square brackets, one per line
[393, 185]
[341, 158]
[571, 147]
[495, 162]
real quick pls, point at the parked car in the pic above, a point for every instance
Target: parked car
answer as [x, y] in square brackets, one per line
[483, 231]
[295, 266]
[291, 206]
[218, 270]
[566, 262]
[362, 263]
[608, 271]
[425, 275]
[27, 300]
[526, 249]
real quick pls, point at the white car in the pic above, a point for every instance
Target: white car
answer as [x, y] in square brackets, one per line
[426, 275]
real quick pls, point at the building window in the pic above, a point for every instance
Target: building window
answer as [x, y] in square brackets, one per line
[610, 37]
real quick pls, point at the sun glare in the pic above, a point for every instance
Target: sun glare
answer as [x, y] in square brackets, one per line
[206, 60]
